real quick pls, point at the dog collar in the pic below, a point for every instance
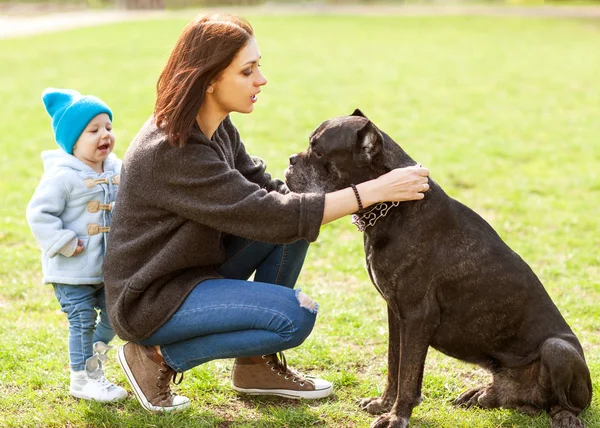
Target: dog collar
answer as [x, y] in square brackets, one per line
[370, 217]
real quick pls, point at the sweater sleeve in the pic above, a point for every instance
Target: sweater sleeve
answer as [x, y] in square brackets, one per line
[197, 184]
[43, 211]
[252, 167]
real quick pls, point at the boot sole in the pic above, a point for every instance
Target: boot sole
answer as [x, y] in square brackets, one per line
[306, 395]
[137, 390]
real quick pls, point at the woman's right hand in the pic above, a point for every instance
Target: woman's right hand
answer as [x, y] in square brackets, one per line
[401, 184]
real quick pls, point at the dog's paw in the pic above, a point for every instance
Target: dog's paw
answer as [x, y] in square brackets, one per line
[566, 419]
[390, 421]
[375, 405]
[469, 398]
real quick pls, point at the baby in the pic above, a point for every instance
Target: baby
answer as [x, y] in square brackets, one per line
[69, 215]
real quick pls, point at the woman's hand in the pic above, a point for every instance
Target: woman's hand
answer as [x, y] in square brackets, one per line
[401, 184]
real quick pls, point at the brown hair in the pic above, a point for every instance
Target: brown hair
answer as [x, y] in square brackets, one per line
[204, 49]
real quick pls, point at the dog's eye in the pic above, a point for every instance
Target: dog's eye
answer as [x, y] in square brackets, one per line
[317, 154]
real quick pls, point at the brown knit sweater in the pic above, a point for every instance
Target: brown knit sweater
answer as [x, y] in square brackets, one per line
[173, 207]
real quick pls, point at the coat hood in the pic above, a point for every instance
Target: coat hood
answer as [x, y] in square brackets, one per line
[55, 159]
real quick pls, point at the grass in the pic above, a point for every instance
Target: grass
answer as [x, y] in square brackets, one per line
[503, 111]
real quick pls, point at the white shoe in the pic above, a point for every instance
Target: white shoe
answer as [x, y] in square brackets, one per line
[94, 386]
[91, 384]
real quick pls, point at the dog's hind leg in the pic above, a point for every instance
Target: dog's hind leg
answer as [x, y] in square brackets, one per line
[570, 382]
[378, 405]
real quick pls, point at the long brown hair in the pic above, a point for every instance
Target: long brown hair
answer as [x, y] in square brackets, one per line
[204, 49]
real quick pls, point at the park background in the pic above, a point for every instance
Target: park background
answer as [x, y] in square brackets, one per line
[504, 110]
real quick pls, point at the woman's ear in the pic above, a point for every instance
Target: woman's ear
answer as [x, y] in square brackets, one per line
[210, 89]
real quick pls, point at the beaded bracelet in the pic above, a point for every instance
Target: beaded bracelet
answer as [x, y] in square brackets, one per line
[360, 206]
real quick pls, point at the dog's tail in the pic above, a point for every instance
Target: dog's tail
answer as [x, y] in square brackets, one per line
[570, 382]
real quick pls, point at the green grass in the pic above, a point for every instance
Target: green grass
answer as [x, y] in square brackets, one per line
[503, 111]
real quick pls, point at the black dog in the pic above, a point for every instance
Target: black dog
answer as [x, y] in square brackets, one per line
[449, 282]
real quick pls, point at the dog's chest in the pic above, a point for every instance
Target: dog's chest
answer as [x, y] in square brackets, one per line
[379, 270]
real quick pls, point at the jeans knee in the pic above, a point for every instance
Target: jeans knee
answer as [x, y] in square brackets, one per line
[83, 318]
[306, 302]
[305, 321]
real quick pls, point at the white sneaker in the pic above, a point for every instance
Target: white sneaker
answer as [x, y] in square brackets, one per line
[94, 386]
[91, 384]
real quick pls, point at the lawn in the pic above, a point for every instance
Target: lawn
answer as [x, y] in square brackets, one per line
[503, 111]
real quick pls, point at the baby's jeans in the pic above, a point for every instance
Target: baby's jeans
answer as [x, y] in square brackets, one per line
[86, 326]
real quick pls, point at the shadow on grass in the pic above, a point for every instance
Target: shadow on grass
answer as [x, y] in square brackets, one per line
[269, 412]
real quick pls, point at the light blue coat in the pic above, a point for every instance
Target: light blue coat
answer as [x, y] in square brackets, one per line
[72, 202]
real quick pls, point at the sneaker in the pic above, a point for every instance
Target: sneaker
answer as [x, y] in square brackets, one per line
[150, 376]
[270, 375]
[91, 384]
[94, 386]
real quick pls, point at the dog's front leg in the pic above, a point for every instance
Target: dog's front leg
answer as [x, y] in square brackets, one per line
[378, 405]
[414, 338]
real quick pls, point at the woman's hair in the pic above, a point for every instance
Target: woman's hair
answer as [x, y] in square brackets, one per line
[204, 49]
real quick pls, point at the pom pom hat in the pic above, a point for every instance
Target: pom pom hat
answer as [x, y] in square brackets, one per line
[71, 112]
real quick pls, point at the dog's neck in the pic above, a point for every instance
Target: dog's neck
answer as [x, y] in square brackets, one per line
[392, 157]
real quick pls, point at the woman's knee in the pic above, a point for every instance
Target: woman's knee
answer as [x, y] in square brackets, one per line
[305, 319]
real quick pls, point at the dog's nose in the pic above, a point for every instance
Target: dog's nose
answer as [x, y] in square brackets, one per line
[293, 159]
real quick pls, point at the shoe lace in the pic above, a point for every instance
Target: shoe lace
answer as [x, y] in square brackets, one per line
[98, 377]
[279, 363]
[167, 374]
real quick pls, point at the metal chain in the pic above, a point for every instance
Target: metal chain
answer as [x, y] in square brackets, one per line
[369, 218]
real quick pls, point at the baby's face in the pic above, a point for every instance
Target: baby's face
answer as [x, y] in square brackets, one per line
[96, 142]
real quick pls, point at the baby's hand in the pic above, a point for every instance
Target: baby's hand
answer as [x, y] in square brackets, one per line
[79, 248]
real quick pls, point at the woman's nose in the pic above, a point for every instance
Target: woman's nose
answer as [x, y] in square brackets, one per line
[262, 80]
[293, 159]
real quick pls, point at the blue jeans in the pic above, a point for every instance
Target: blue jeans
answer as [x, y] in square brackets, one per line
[233, 317]
[86, 326]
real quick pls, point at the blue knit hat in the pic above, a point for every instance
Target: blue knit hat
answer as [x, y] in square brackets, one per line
[71, 112]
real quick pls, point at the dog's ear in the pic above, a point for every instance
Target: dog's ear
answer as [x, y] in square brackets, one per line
[368, 144]
[357, 112]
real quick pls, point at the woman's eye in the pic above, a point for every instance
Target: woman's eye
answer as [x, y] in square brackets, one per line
[247, 72]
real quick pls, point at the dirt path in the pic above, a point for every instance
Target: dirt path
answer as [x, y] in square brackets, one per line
[17, 25]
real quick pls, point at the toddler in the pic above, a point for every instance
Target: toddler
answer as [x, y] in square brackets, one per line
[69, 215]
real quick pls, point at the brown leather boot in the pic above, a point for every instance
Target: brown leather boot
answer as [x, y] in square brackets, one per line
[150, 376]
[270, 375]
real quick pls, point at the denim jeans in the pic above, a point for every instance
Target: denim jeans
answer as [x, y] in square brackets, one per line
[86, 326]
[233, 317]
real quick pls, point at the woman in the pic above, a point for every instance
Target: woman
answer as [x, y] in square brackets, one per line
[196, 216]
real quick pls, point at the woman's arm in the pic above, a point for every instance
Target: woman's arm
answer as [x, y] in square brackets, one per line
[401, 184]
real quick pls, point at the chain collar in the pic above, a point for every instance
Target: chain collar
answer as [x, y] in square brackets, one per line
[370, 217]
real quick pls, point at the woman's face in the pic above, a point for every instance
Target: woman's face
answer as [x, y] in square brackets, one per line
[237, 87]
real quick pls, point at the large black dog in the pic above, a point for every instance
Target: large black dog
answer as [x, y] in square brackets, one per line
[449, 282]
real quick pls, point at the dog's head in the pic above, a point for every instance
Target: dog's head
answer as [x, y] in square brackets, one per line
[341, 151]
